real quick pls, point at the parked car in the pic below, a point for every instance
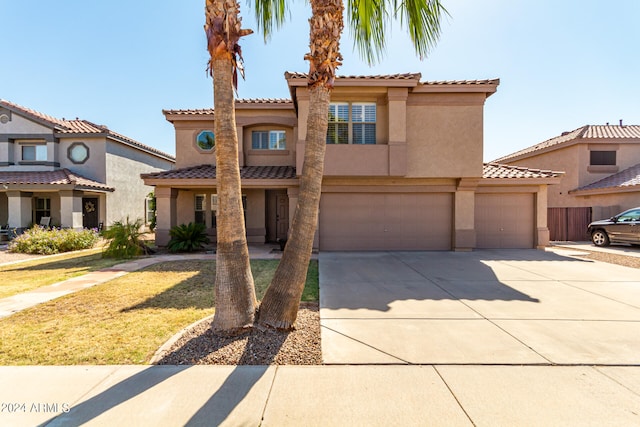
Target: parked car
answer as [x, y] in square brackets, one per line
[622, 228]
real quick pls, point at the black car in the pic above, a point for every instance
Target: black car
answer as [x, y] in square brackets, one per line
[622, 228]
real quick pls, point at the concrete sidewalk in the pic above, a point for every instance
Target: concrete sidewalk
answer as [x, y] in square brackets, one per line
[443, 395]
[19, 302]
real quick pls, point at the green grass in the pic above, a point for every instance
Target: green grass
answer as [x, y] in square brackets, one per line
[123, 321]
[29, 275]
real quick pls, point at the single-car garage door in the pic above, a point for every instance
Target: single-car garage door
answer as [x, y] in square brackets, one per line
[377, 221]
[504, 220]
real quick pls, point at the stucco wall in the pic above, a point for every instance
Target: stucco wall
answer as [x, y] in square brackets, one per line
[444, 135]
[574, 161]
[123, 168]
[94, 167]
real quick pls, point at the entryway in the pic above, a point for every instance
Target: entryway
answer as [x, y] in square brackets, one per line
[90, 212]
[277, 215]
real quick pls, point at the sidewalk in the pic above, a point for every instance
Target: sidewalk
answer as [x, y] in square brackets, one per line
[18, 302]
[442, 395]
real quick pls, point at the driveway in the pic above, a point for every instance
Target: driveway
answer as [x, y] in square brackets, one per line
[508, 307]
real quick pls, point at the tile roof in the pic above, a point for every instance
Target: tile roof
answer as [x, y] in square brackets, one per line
[624, 180]
[404, 76]
[461, 82]
[55, 177]
[588, 132]
[209, 172]
[210, 111]
[78, 126]
[494, 170]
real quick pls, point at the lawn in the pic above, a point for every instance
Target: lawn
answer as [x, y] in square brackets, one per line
[123, 321]
[29, 275]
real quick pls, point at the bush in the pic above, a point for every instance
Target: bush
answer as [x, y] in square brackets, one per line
[124, 239]
[44, 241]
[187, 238]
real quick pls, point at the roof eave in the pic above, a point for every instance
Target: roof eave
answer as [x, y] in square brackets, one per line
[606, 190]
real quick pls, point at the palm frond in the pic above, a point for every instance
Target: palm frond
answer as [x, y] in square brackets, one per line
[270, 15]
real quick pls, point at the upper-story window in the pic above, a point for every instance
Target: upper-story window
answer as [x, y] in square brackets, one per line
[206, 140]
[34, 153]
[352, 123]
[268, 140]
[602, 158]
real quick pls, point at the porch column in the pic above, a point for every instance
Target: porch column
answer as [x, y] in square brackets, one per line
[71, 209]
[464, 215]
[542, 228]
[397, 99]
[166, 211]
[240, 132]
[20, 209]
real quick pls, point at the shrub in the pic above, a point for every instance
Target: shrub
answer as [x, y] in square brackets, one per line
[187, 237]
[44, 241]
[124, 239]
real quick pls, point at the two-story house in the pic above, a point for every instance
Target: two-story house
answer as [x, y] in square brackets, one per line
[403, 169]
[73, 172]
[602, 175]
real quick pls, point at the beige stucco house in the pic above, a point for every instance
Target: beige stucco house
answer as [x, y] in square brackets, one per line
[403, 169]
[602, 175]
[74, 172]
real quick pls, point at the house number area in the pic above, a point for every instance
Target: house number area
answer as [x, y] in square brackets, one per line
[24, 407]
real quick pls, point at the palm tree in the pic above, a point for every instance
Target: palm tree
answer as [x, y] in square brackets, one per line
[369, 22]
[234, 289]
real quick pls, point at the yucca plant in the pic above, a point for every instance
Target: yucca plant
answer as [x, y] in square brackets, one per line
[125, 239]
[187, 237]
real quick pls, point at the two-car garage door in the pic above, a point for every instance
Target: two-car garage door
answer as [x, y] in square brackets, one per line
[386, 221]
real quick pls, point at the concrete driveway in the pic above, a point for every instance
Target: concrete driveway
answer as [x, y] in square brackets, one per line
[520, 307]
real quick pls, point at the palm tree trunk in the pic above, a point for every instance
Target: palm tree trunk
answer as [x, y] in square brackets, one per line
[279, 307]
[234, 288]
[235, 298]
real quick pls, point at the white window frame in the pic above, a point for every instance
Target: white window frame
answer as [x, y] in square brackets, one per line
[343, 129]
[202, 208]
[269, 140]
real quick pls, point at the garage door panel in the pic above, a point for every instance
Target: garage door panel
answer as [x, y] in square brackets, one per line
[382, 221]
[504, 220]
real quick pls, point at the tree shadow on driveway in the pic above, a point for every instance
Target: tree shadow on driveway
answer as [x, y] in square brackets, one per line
[374, 280]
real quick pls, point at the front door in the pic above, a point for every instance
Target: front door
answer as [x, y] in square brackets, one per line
[90, 212]
[277, 215]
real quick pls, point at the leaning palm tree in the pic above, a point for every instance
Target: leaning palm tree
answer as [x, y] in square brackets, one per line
[369, 23]
[234, 289]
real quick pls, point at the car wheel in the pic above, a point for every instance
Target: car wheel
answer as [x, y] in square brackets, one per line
[600, 238]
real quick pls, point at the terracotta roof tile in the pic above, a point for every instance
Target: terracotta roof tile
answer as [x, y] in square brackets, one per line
[494, 170]
[626, 179]
[78, 126]
[404, 76]
[55, 177]
[588, 132]
[248, 101]
[462, 82]
[209, 172]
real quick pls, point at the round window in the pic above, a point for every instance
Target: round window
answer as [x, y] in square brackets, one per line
[206, 140]
[78, 152]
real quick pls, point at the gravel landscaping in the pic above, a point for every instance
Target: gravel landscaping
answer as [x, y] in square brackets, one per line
[199, 346]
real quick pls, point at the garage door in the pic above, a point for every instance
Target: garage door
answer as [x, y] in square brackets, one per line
[375, 221]
[504, 220]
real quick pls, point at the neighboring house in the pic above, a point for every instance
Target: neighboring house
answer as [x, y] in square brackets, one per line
[403, 169]
[76, 173]
[602, 175]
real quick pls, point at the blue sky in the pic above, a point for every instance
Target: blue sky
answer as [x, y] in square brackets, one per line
[562, 63]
